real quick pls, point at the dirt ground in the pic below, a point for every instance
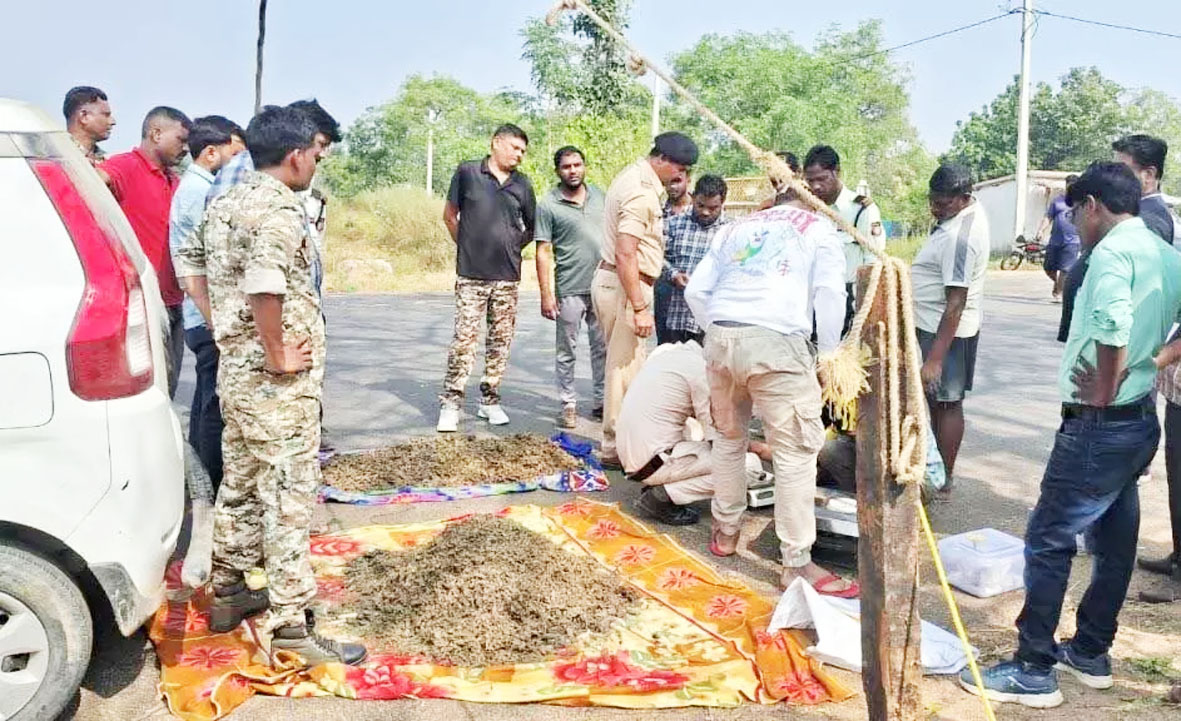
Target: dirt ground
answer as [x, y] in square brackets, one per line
[380, 390]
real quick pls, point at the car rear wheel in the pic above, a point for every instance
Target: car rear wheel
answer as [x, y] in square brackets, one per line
[45, 636]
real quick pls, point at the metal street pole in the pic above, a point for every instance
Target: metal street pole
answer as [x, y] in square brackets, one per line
[430, 159]
[432, 116]
[1023, 119]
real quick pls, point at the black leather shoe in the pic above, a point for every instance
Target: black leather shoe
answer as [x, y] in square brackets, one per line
[233, 604]
[1166, 566]
[655, 503]
[314, 648]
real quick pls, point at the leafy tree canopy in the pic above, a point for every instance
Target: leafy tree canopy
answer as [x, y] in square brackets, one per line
[1069, 127]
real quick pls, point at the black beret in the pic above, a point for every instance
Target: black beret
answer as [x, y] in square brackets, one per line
[677, 147]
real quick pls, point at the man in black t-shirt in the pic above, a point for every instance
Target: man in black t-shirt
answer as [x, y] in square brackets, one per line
[490, 214]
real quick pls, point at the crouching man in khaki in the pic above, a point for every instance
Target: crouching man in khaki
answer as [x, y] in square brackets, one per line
[665, 432]
[754, 292]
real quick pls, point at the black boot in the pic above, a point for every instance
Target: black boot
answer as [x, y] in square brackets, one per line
[315, 649]
[655, 503]
[233, 604]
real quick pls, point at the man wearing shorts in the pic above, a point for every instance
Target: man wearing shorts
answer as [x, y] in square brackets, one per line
[1063, 249]
[948, 280]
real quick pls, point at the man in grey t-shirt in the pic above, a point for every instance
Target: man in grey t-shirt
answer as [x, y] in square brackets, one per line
[569, 233]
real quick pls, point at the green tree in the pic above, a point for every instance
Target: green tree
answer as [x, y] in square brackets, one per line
[387, 144]
[1153, 112]
[1069, 128]
[577, 68]
[846, 93]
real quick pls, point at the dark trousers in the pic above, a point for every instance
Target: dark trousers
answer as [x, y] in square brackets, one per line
[1173, 466]
[174, 347]
[850, 308]
[682, 336]
[661, 293]
[205, 424]
[1089, 485]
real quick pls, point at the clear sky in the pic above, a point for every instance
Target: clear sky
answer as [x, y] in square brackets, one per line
[351, 54]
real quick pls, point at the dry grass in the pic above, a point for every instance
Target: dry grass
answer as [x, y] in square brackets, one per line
[451, 461]
[486, 591]
[392, 240]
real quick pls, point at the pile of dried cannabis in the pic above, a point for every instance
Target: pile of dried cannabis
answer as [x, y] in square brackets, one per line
[486, 591]
[449, 462]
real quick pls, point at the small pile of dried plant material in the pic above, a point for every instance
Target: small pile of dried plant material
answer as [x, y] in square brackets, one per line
[486, 591]
[449, 462]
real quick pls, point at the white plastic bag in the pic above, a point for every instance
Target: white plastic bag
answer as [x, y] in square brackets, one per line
[838, 631]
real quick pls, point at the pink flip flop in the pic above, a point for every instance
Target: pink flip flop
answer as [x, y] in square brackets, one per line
[853, 591]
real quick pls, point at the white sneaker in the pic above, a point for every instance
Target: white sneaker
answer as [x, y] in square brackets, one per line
[448, 420]
[495, 414]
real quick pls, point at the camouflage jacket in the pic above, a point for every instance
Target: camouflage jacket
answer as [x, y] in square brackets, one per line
[255, 240]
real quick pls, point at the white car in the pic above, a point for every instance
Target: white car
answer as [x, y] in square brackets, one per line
[91, 461]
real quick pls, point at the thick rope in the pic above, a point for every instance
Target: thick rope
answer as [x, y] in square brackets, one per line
[844, 370]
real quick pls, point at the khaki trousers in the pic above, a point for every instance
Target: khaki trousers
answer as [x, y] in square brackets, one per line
[625, 350]
[753, 365]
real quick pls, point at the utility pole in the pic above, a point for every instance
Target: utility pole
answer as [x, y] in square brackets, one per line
[432, 116]
[655, 105]
[1023, 119]
[262, 36]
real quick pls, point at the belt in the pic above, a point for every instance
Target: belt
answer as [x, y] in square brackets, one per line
[649, 280]
[648, 469]
[1129, 412]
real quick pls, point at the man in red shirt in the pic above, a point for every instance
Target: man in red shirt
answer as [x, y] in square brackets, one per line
[143, 182]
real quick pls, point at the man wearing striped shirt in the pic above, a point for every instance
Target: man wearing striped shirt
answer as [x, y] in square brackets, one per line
[948, 281]
[687, 239]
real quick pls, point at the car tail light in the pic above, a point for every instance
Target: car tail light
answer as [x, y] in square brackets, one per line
[109, 351]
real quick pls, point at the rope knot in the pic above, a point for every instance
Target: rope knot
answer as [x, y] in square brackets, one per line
[636, 65]
[552, 17]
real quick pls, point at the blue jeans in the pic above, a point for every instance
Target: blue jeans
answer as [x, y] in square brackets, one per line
[1090, 484]
[205, 424]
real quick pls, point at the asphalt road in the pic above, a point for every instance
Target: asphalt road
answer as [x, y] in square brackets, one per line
[386, 361]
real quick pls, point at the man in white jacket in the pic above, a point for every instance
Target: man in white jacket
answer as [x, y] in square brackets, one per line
[755, 292]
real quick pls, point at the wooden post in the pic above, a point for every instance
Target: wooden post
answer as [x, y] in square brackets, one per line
[887, 550]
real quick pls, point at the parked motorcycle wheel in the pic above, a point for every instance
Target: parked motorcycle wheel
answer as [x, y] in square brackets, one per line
[1012, 261]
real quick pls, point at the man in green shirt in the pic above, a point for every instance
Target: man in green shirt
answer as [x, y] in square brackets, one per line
[569, 235]
[1109, 434]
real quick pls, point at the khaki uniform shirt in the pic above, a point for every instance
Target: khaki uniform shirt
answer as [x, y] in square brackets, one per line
[634, 207]
[256, 241]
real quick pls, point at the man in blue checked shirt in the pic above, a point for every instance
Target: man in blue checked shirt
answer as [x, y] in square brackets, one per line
[687, 239]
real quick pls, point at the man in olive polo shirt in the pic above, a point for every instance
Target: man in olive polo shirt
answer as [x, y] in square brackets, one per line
[632, 257]
[490, 214]
[569, 234]
[1108, 436]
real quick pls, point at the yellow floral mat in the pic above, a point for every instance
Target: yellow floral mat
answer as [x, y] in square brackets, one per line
[697, 639]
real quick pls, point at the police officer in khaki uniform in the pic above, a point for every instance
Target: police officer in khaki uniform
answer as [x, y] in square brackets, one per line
[270, 334]
[633, 255]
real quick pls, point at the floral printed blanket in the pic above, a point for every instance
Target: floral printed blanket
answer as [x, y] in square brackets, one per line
[698, 638]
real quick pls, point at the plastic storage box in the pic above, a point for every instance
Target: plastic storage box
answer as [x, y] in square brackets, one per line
[984, 563]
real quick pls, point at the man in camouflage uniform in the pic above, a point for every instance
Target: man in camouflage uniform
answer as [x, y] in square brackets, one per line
[490, 212]
[270, 335]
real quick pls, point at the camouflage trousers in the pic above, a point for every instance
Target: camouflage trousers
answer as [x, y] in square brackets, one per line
[265, 503]
[477, 301]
